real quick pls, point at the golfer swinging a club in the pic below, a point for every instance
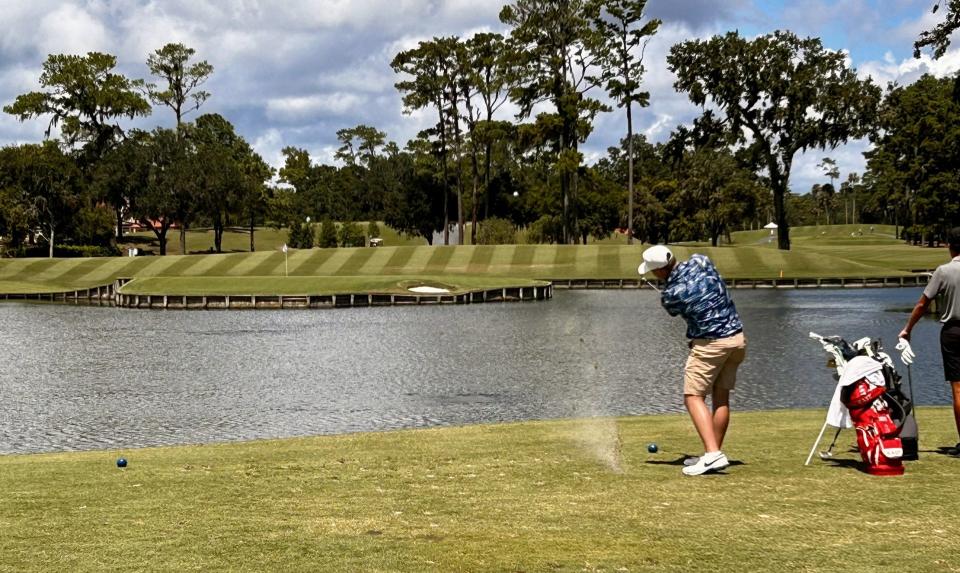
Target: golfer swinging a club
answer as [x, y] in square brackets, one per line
[695, 291]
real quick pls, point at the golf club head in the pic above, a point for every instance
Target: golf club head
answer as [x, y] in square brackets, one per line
[826, 455]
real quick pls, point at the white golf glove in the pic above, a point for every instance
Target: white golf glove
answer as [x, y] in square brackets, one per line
[906, 353]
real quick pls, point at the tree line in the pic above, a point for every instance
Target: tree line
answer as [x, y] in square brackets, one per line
[763, 100]
[77, 192]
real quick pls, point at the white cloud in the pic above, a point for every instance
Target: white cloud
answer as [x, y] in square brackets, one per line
[909, 69]
[19, 29]
[849, 159]
[340, 13]
[312, 106]
[71, 30]
[339, 16]
[269, 145]
[367, 78]
[325, 154]
[852, 18]
[20, 79]
[403, 127]
[667, 108]
[660, 127]
[31, 131]
[908, 32]
[147, 29]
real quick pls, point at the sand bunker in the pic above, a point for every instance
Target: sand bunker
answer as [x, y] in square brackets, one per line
[428, 290]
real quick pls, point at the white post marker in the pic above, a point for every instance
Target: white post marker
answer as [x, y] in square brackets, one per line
[285, 268]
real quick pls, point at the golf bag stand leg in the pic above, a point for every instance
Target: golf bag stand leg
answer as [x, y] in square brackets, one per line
[815, 444]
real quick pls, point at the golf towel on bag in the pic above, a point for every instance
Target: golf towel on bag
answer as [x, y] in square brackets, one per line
[859, 367]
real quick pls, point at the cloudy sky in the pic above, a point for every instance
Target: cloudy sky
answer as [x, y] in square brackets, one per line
[292, 73]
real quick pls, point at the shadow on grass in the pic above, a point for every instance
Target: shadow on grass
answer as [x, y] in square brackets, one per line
[949, 451]
[213, 251]
[847, 464]
[676, 462]
[679, 462]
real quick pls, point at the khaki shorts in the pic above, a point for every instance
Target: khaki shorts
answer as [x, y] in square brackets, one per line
[713, 362]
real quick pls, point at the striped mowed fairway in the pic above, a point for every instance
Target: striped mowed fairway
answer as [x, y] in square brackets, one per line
[826, 251]
[877, 247]
[597, 261]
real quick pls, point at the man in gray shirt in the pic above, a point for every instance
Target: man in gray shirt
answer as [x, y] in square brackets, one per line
[946, 281]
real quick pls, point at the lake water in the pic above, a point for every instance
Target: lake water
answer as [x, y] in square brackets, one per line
[81, 378]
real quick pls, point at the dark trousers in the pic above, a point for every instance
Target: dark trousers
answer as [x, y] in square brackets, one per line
[950, 348]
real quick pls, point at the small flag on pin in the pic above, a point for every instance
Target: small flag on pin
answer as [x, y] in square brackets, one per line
[284, 248]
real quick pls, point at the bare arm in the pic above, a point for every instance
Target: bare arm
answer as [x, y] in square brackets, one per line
[918, 311]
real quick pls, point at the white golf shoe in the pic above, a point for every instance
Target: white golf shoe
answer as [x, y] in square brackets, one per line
[707, 463]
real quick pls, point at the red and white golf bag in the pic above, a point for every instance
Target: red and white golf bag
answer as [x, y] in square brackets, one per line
[878, 436]
[869, 397]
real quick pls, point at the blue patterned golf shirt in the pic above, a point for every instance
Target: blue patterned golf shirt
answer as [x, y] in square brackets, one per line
[695, 291]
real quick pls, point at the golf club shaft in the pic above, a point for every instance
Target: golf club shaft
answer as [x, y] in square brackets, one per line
[834, 442]
[913, 399]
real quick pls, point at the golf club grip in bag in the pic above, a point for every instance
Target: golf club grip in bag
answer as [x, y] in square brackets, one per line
[877, 434]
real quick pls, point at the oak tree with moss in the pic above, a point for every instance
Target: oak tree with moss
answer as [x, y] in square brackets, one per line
[777, 94]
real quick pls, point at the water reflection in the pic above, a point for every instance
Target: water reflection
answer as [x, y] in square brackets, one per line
[91, 378]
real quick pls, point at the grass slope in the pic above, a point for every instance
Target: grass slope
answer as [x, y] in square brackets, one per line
[565, 496]
[858, 243]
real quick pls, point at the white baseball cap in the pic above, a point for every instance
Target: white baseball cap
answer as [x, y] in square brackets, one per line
[654, 258]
